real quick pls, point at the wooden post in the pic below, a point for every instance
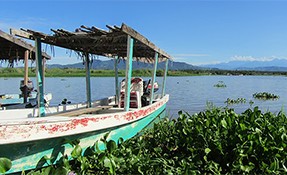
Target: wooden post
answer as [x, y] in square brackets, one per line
[164, 78]
[88, 80]
[128, 77]
[39, 73]
[44, 68]
[25, 91]
[117, 80]
[153, 78]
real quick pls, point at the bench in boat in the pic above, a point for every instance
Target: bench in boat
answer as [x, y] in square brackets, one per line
[83, 111]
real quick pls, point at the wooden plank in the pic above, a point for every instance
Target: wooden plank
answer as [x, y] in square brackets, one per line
[78, 112]
[21, 43]
[21, 33]
[95, 30]
[26, 57]
[129, 31]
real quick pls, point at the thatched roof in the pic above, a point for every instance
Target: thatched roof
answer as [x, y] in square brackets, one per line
[93, 40]
[13, 49]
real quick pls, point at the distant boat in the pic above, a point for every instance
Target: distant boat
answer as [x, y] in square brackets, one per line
[13, 49]
[16, 101]
[31, 134]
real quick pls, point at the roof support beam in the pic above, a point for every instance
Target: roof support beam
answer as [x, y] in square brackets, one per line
[40, 78]
[164, 78]
[153, 77]
[88, 80]
[116, 80]
[129, 62]
[26, 76]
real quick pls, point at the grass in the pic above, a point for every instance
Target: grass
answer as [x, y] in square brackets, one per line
[74, 72]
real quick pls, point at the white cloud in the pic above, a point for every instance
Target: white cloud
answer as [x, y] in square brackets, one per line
[207, 62]
[251, 58]
[189, 55]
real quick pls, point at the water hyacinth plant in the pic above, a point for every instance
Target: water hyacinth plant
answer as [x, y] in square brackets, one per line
[235, 101]
[220, 84]
[5, 165]
[215, 141]
[265, 96]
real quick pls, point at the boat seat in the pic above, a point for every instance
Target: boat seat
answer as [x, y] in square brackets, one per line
[135, 100]
[78, 112]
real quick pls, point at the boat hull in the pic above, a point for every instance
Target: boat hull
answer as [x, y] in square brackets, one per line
[27, 155]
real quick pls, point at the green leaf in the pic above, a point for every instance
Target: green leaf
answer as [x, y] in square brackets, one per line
[48, 170]
[5, 164]
[109, 164]
[77, 151]
[223, 123]
[284, 137]
[242, 126]
[111, 146]
[66, 162]
[258, 131]
[274, 165]
[207, 150]
[61, 170]
[184, 131]
[247, 168]
[101, 157]
[105, 137]
[120, 141]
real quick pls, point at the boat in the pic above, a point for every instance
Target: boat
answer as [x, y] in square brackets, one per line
[34, 133]
[18, 101]
[13, 50]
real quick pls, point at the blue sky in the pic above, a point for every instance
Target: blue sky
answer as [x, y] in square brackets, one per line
[196, 32]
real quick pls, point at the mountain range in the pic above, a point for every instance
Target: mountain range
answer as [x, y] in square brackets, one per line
[109, 64]
[272, 65]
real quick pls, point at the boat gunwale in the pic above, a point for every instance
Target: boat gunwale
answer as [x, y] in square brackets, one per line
[162, 101]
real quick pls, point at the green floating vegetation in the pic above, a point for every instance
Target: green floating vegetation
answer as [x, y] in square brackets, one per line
[265, 96]
[235, 101]
[220, 84]
[216, 141]
[5, 165]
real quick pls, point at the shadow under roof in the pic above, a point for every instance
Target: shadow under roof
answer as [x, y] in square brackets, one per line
[13, 49]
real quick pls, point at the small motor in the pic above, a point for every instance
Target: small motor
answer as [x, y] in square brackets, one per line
[30, 87]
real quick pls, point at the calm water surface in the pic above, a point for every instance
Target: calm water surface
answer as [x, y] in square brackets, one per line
[190, 94]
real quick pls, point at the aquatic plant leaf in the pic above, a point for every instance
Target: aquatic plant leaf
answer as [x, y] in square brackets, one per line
[48, 170]
[207, 150]
[224, 123]
[109, 163]
[111, 146]
[77, 151]
[5, 164]
[61, 170]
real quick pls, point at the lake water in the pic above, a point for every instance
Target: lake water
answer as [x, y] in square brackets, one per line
[190, 94]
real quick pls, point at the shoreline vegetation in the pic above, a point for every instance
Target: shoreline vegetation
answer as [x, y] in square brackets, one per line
[214, 141]
[75, 72]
